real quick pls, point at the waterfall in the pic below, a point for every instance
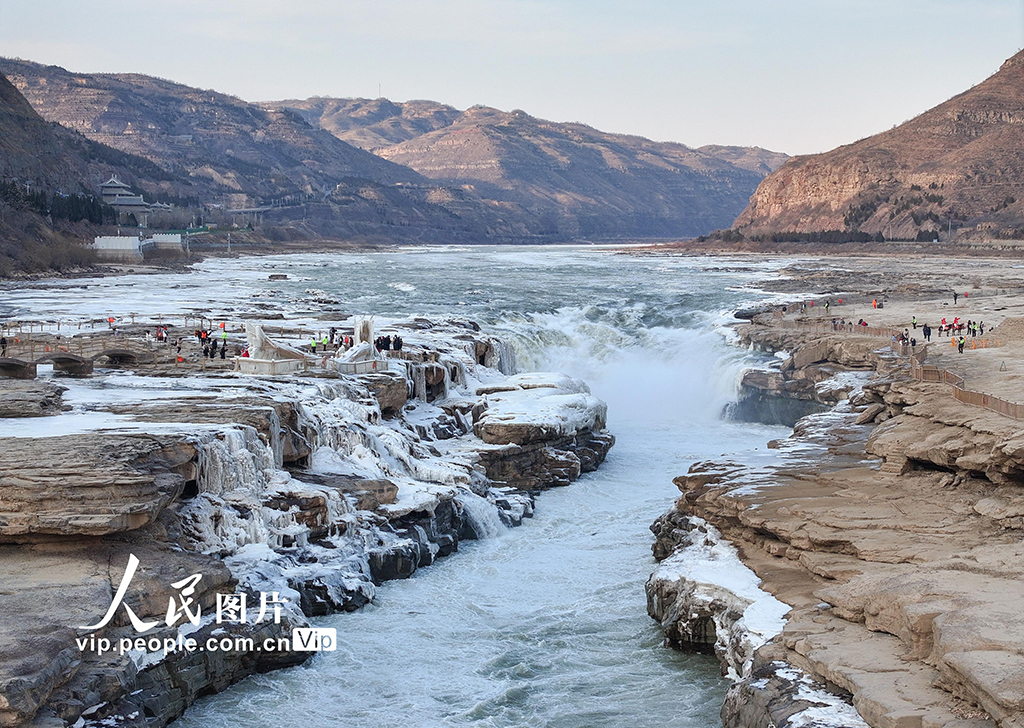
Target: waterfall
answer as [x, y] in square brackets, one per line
[235, 459]
[482, 516]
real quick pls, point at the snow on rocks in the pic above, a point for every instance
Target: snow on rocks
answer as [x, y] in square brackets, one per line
[705, 597]
[316, 486]
[529, 408]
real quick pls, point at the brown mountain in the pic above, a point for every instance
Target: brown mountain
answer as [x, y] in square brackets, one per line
[206, 147]
[442, 174]
[581, 181]
[224, 149]
[47, 176]
[372, 123]
[960, 164]
[47, 156]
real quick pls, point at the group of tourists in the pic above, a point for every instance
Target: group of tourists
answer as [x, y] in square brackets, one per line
[330, 342]
[958, 327]
[844, 325]
[904, 338]
[388, 343]
[956, 330]
[208, 340]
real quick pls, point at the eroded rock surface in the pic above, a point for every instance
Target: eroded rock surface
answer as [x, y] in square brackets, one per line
[31, 398]
[318, 488]
[904, 577]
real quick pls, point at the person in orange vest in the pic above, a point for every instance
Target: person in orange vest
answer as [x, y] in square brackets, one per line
[874, 303]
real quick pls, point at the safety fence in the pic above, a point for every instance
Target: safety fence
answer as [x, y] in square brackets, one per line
[825, 327]
[962, 394]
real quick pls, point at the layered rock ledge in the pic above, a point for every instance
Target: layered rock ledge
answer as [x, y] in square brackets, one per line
[890, 529]
[315, 486]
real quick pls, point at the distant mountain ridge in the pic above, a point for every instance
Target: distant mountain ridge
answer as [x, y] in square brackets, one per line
[959, 165]
[436, 174]
[371, 124]
[590, 181]
[219, 146]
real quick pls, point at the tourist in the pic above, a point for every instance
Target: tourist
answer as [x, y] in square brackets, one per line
[206, 350]
[312, 344]
[927, 331]
[325, 341]
[177, 344]
[223, 351]
[398, 343]
[874, 303]
[3, 346]
[213, 348]
[955, 294]
[914, 322]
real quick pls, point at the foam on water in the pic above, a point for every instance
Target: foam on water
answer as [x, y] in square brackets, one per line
[544, 625]
[482, 516]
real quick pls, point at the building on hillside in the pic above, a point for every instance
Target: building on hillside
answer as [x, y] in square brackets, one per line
[119, 196]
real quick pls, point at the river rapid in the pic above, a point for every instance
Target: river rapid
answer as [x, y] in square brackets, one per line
[543, 625]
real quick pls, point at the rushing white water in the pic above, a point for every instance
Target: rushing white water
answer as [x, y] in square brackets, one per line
[543, 625]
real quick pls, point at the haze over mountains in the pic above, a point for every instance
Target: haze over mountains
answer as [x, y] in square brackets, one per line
[607, 182]
[434, 173]
[959, 166]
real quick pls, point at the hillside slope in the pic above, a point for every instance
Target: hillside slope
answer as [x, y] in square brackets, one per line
[371, 123]
[47, 184]
[227, 149]
[582, 181]
[959, 165]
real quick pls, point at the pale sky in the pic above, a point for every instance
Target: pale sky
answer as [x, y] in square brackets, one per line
[796, 76]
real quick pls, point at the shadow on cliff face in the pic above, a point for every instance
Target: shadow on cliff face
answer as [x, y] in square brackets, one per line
[769, 410]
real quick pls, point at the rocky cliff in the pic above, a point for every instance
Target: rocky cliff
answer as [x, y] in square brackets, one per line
[898, 577]
[315, 487]
[959, 163]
